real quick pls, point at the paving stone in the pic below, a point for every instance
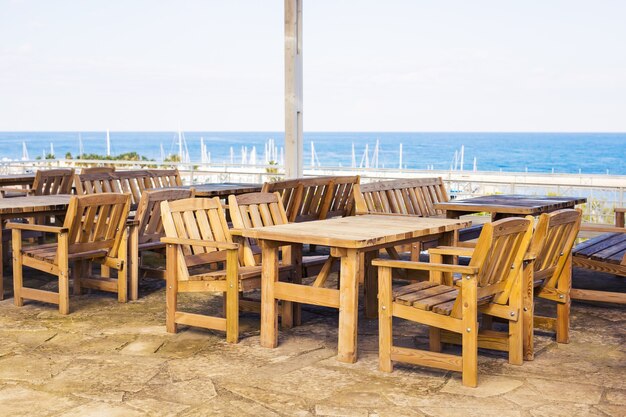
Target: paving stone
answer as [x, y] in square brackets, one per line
[335, 411]
[479, 411]
[143, 346]
[612, 410]
[192, 392]
[562, 391]
[488, 386]
[566, 410]
[156, 408]
[96, 409]
[33, 369]
[20, 401]
[616, 397]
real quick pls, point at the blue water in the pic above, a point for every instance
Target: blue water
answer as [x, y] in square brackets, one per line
[591, 153]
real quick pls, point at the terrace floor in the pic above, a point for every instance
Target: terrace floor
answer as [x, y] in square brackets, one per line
[110, 359]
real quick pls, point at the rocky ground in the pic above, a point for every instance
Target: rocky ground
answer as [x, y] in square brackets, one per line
[110, 359]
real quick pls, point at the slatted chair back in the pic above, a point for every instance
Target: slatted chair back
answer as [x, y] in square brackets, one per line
[133, 182]
[97, 170]
[255, 210]
[415, 196]
[552, 243]
[314, 191]
[200, 219]
[291, 195]
[165, 178]
[148, 216]
[339, 200]
[53, 181]
[499, 255]
[96, 222]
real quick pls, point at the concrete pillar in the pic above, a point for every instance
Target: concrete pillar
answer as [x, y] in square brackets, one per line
[293, 89]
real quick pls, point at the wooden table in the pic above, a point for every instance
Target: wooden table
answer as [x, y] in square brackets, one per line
[17, 179]
[23, 207]
[348, 238]
[223, 189]
[507, 205]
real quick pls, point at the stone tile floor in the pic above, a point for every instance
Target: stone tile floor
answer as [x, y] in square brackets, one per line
[110, 359]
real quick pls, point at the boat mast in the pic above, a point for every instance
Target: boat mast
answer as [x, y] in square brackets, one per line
[108, 143]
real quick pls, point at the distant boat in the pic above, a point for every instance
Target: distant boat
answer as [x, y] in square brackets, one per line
[108, 143]
[25, 156]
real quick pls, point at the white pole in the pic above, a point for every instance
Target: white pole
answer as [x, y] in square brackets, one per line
[80, 146]
[353, 157]
[312, 154]
[52, 149]
[475, 165]
[232, 155]
[462, 156]
[108, 143]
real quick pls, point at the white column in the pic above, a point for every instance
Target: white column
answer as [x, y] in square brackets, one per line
[293, 89]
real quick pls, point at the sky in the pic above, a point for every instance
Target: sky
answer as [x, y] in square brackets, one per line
[369, 65]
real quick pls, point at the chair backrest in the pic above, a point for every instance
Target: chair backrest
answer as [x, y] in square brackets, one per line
[414, 196]
[165, 178]
[255, 210]
[196, 218]
[133, 182]
[97, 170]
[149, 212]
[315, 198]
[53, 181]
[500, 251]
[552, 243]
[96, 222]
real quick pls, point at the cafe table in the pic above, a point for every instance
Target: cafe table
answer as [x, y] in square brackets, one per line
[507, 205]
[27, 207]
[348, 238]
[10, 180]
[222, 189]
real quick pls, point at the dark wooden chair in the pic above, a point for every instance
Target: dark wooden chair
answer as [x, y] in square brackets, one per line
[47, 182]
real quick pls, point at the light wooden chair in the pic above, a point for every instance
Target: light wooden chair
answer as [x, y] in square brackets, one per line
[94, 231]
[98, 170]
[146, 232]
[165, 178]
[550, 274]
[198, 239]
[492, 282]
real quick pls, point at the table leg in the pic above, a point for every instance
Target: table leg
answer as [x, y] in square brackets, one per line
[528, 311]
[269, 310]
[1, 259]
[370, 285]
[348, 307]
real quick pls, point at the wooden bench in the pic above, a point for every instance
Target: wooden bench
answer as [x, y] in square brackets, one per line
[315, 198]
[133, 182]
[605, 253]
[412, 197]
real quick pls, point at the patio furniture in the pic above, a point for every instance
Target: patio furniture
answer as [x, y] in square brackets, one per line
[604, 253]
[492, 282]
[202, 257]
[146, 232]
[94, 231]
[315, 198]
[24, 180]
[97, 170]
[26, 207]
[507, 205]
[348, 238]
[413, 197]
[165, 178]
[46, 182]
[221, 190]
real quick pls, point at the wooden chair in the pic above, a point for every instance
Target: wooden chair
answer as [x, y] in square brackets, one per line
[146, 232]
[604, 253]
[94, 231]
[162, 178]
[47, 182]
[132, 182]
[550, 274]
[198, 238]
[492, 282]
[266, 209]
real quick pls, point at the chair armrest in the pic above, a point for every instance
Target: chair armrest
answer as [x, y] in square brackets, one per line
[451, 250]
[198, 242]
[236, 232]
[37, 228]
[425, 266]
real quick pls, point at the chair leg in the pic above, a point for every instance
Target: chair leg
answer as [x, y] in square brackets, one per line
[232, 296]
[64, 274]
[528, 313]
[434, 339]
[18, 280]
[77, 273]
[516, 328]
[385, 317]
[171, 288]
[469, 335]
[563, 309]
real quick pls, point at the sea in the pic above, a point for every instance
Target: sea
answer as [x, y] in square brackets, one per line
[586, 153]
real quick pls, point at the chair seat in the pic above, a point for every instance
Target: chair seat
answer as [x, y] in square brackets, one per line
[608, 247]
[427, 296]
[48, 252]
[245, 272]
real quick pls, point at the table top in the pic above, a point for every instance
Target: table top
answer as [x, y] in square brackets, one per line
[223, 189]
[357, 231]
[20, 205]
[511, 204]
[17, 179]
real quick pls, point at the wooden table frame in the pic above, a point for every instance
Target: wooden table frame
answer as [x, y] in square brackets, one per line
[28, 207]
[370, 233]
[222, 190]
[508, 205]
